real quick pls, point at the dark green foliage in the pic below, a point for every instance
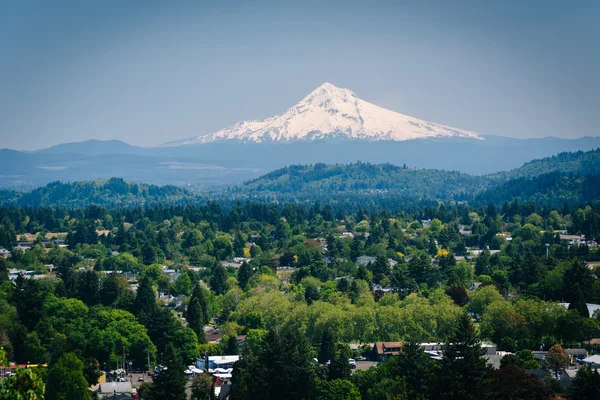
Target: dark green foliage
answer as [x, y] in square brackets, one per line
[465, 373]
[202, 385]
[514, 383]
[88, 286]
[113, 192]
[327, 347]
[66, 380]
[339, 368]
[231, 347]
[281, 370]
[197, 315]
[586, 385]
[218, 282]
[245, 272]
[145, 300]
[578, 302]
[169, 384]
[416, 369]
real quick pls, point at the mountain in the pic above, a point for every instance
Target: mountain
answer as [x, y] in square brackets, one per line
[94, 147]
[330, 112]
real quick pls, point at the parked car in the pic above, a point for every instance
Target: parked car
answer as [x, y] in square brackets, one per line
[352, 363]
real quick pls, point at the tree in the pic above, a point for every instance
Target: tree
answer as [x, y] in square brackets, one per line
[218, 282]
[169, 384]
[183, 284]
[145, 301]
[339, 389]
[416, 369]
[244, 274]
[557, 359]
[327, 346]
[586, 385]
[339, 368]
[483, 297]
[231, 346]
[465, 373]
[459, 295]
[22, 385]
[88, 286]
[578, 302]
[514, 383]
[202, 385]
[66, 380]
[195, 318]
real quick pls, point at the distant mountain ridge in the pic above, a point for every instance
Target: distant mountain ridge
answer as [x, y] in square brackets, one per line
[329, 112]
[359, 184]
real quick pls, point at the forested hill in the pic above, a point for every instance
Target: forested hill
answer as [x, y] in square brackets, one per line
[551, 189]
[321, 181]
[579, 162]
[114, 192]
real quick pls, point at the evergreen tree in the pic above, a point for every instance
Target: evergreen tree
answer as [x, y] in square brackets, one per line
[464, 371]
[195, 319]
[586, 385]
[244, 274]
[339, 368]
[88, 286]
[218, 282]
[416, 369]
[145, 301]
[327, 347]
[170, 383]
[578, 302]
[231, 346]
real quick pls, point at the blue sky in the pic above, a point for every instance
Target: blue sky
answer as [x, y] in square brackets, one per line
[76, 70]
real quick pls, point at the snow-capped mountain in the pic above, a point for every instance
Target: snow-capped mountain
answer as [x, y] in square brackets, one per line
[330, 112]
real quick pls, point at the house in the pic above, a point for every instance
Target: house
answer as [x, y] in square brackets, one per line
[364, 260]
[4, 253]
[574, 239]
[576, 354]
[383, 350]
[109, 390]
[591, 307]
[592, 362]
[426, 222]
[218, 364]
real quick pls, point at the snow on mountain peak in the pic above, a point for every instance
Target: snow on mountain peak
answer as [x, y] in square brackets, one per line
[329, 112]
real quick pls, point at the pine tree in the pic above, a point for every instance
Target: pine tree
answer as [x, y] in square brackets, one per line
[416, 369]
[195, 319]
[244, 274]
[218, 282]
[170, 383]
[145, 301]
[586, 385]
[339, 368]
[327, 347]
[465, 373]
[578, 302]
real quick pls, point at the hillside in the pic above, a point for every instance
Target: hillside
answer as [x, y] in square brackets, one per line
[579, 162]
[114, 192]
[321, 181]
[552, 189]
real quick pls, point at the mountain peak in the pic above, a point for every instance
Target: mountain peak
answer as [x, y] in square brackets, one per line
[330, 112]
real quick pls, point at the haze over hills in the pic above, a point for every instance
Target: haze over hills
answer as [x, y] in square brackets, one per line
[357, 183]
[330, 112]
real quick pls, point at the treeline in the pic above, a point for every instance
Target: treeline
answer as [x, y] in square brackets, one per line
[114, 192]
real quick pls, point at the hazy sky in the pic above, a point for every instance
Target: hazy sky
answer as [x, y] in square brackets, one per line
[75, 70]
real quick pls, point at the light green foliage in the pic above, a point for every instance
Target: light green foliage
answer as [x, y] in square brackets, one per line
[481, 298]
